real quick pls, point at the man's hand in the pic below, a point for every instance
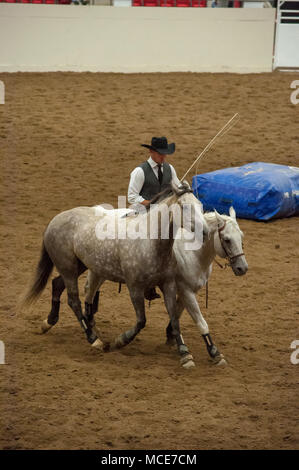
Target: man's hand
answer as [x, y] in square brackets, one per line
[145, 202]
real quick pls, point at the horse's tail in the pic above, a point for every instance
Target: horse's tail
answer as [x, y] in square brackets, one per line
[43, 271]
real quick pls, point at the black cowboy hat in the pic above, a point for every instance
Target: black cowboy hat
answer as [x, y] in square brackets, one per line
[160, 145]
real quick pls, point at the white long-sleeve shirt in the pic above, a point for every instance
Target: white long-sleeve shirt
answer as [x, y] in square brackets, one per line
[137, 181]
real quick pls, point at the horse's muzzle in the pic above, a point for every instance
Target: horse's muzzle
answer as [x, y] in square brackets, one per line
[239, 267]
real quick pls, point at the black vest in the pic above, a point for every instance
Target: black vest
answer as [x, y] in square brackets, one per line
[151, 185]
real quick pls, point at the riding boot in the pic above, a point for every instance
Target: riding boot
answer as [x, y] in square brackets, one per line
[151, 294]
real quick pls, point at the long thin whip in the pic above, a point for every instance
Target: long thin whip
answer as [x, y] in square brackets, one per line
[222, 131]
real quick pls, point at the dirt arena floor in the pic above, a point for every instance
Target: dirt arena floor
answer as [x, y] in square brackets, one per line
[71, 139]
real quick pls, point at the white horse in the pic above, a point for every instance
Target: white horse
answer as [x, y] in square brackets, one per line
[194, 268]
[72, 242]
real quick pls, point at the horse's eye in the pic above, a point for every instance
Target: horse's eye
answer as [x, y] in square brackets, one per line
[227, 240]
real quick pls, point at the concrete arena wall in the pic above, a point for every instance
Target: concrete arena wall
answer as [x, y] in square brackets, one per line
[44, 38]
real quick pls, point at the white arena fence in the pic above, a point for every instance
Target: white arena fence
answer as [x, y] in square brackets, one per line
[41, 38]
[207, 39]
[287, 35]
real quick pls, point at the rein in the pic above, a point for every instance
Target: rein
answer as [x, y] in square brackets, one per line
[222, 266]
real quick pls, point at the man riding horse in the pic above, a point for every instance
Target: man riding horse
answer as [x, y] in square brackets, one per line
[150, 178]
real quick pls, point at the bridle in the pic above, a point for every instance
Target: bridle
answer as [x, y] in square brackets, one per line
[230, 258]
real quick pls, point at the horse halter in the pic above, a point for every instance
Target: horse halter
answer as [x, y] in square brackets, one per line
[230, 258]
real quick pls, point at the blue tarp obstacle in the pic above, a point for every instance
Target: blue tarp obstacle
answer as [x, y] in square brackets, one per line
[259, 191]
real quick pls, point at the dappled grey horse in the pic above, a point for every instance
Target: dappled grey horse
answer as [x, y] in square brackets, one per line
[73, 243]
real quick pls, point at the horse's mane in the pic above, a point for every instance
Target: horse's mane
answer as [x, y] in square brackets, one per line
[170, 190]
[211, 217]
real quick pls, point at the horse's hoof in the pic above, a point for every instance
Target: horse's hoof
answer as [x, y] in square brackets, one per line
[107, 347]
[119, 343]
[170, 342]
[188, 365]
[111, 347]
[45, 327]
[187, 361]
[219, 360]
[97, 344]
[222, 362]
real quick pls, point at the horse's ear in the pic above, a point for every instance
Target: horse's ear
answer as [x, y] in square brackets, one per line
[174, 187]
[219, 218]
[185, 184]
[232, 212]
[181, 188]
